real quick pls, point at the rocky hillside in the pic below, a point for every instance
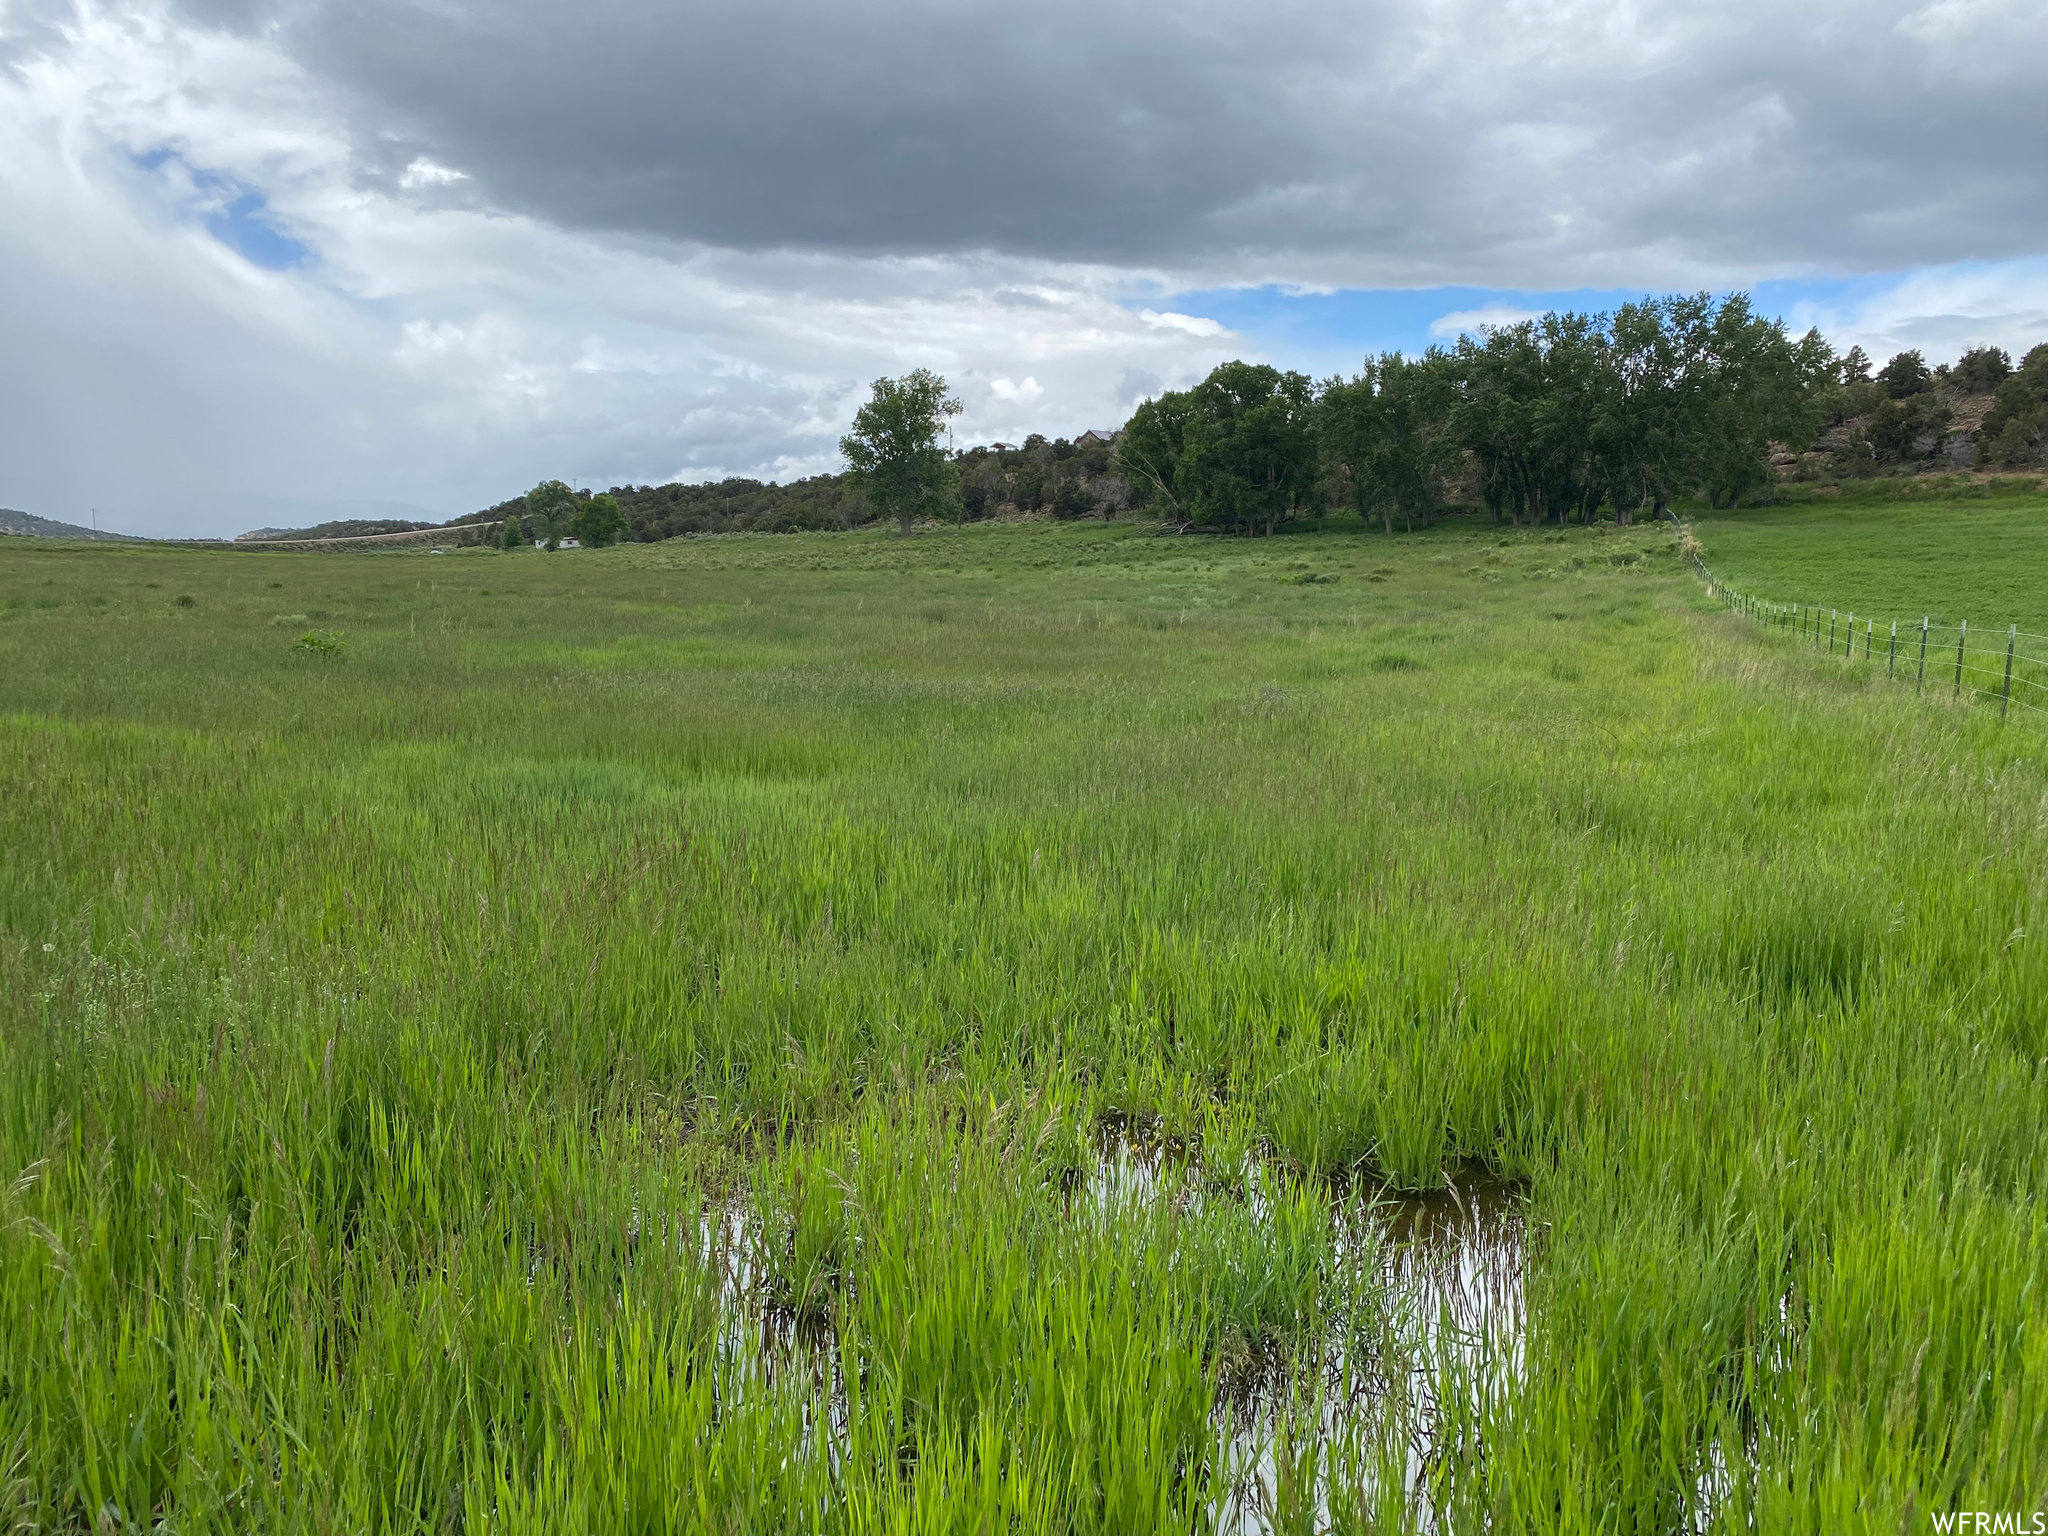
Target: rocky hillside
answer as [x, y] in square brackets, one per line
[1978, 413]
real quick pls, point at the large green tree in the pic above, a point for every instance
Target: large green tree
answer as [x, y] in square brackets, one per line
[1640, 430]
[1390, 430]
[1148, 452]
[598, 522]
[1758, 386]
[1559, 415]
[549, 506]
[1249, 456]
[1237, 452]
[895, 452]
[1529, 398]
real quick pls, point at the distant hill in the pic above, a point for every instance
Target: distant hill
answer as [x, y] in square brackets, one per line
[343, 528]
[27, 524]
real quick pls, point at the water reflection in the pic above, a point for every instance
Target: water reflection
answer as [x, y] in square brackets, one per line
[1429, 1333]
[1377, 1418]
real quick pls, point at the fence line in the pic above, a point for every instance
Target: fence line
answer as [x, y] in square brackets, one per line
[1991, 664]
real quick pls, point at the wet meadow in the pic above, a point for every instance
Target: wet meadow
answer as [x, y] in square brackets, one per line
[1039, 1028]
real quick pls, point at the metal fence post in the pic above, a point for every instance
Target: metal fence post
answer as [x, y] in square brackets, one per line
[1891, 660]
[1866, 639]
[1962, 636]
[2012, 635]
[1832, 616]
[1920, 683]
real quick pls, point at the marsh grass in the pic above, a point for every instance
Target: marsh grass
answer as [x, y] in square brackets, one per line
[627, 1052]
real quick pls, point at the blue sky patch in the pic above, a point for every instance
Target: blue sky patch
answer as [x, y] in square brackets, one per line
[244, 229]
[237, 216]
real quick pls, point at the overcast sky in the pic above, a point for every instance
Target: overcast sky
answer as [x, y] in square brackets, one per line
[270, 262]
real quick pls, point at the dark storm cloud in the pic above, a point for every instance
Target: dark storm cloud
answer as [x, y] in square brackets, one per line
[830, 127]
[1362, 142]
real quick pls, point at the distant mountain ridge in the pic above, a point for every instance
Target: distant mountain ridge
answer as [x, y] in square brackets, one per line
[28, 525]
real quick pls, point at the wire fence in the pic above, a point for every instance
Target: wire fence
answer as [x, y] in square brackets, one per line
[1994, 666]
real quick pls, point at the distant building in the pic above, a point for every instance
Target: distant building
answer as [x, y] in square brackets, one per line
[1093, 436]
[1002, 447]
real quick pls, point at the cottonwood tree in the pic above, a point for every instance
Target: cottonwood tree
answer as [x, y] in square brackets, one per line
[894, 449]
[1250, 456]
[1527, 403]
[1645, 426]
[1390, 429]
[1757, 387]
[1237, 452]
[598, 522]
[1148, 451]
[551, 503]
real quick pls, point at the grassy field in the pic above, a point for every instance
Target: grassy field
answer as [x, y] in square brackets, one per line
[1963, 552]
[838, 1033]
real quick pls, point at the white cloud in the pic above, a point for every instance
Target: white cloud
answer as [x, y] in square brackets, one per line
[1193, 325]
[1940, 311]
[425, 173]
[1461, 322]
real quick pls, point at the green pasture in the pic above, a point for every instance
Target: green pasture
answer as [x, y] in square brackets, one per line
[632, 1040]
[1949, 553]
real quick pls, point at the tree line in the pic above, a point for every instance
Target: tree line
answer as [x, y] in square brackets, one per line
[1559, 418]
[1050, 476]
[1548, 419]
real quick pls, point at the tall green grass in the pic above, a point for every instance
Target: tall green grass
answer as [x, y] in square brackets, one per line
[622, 1043]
